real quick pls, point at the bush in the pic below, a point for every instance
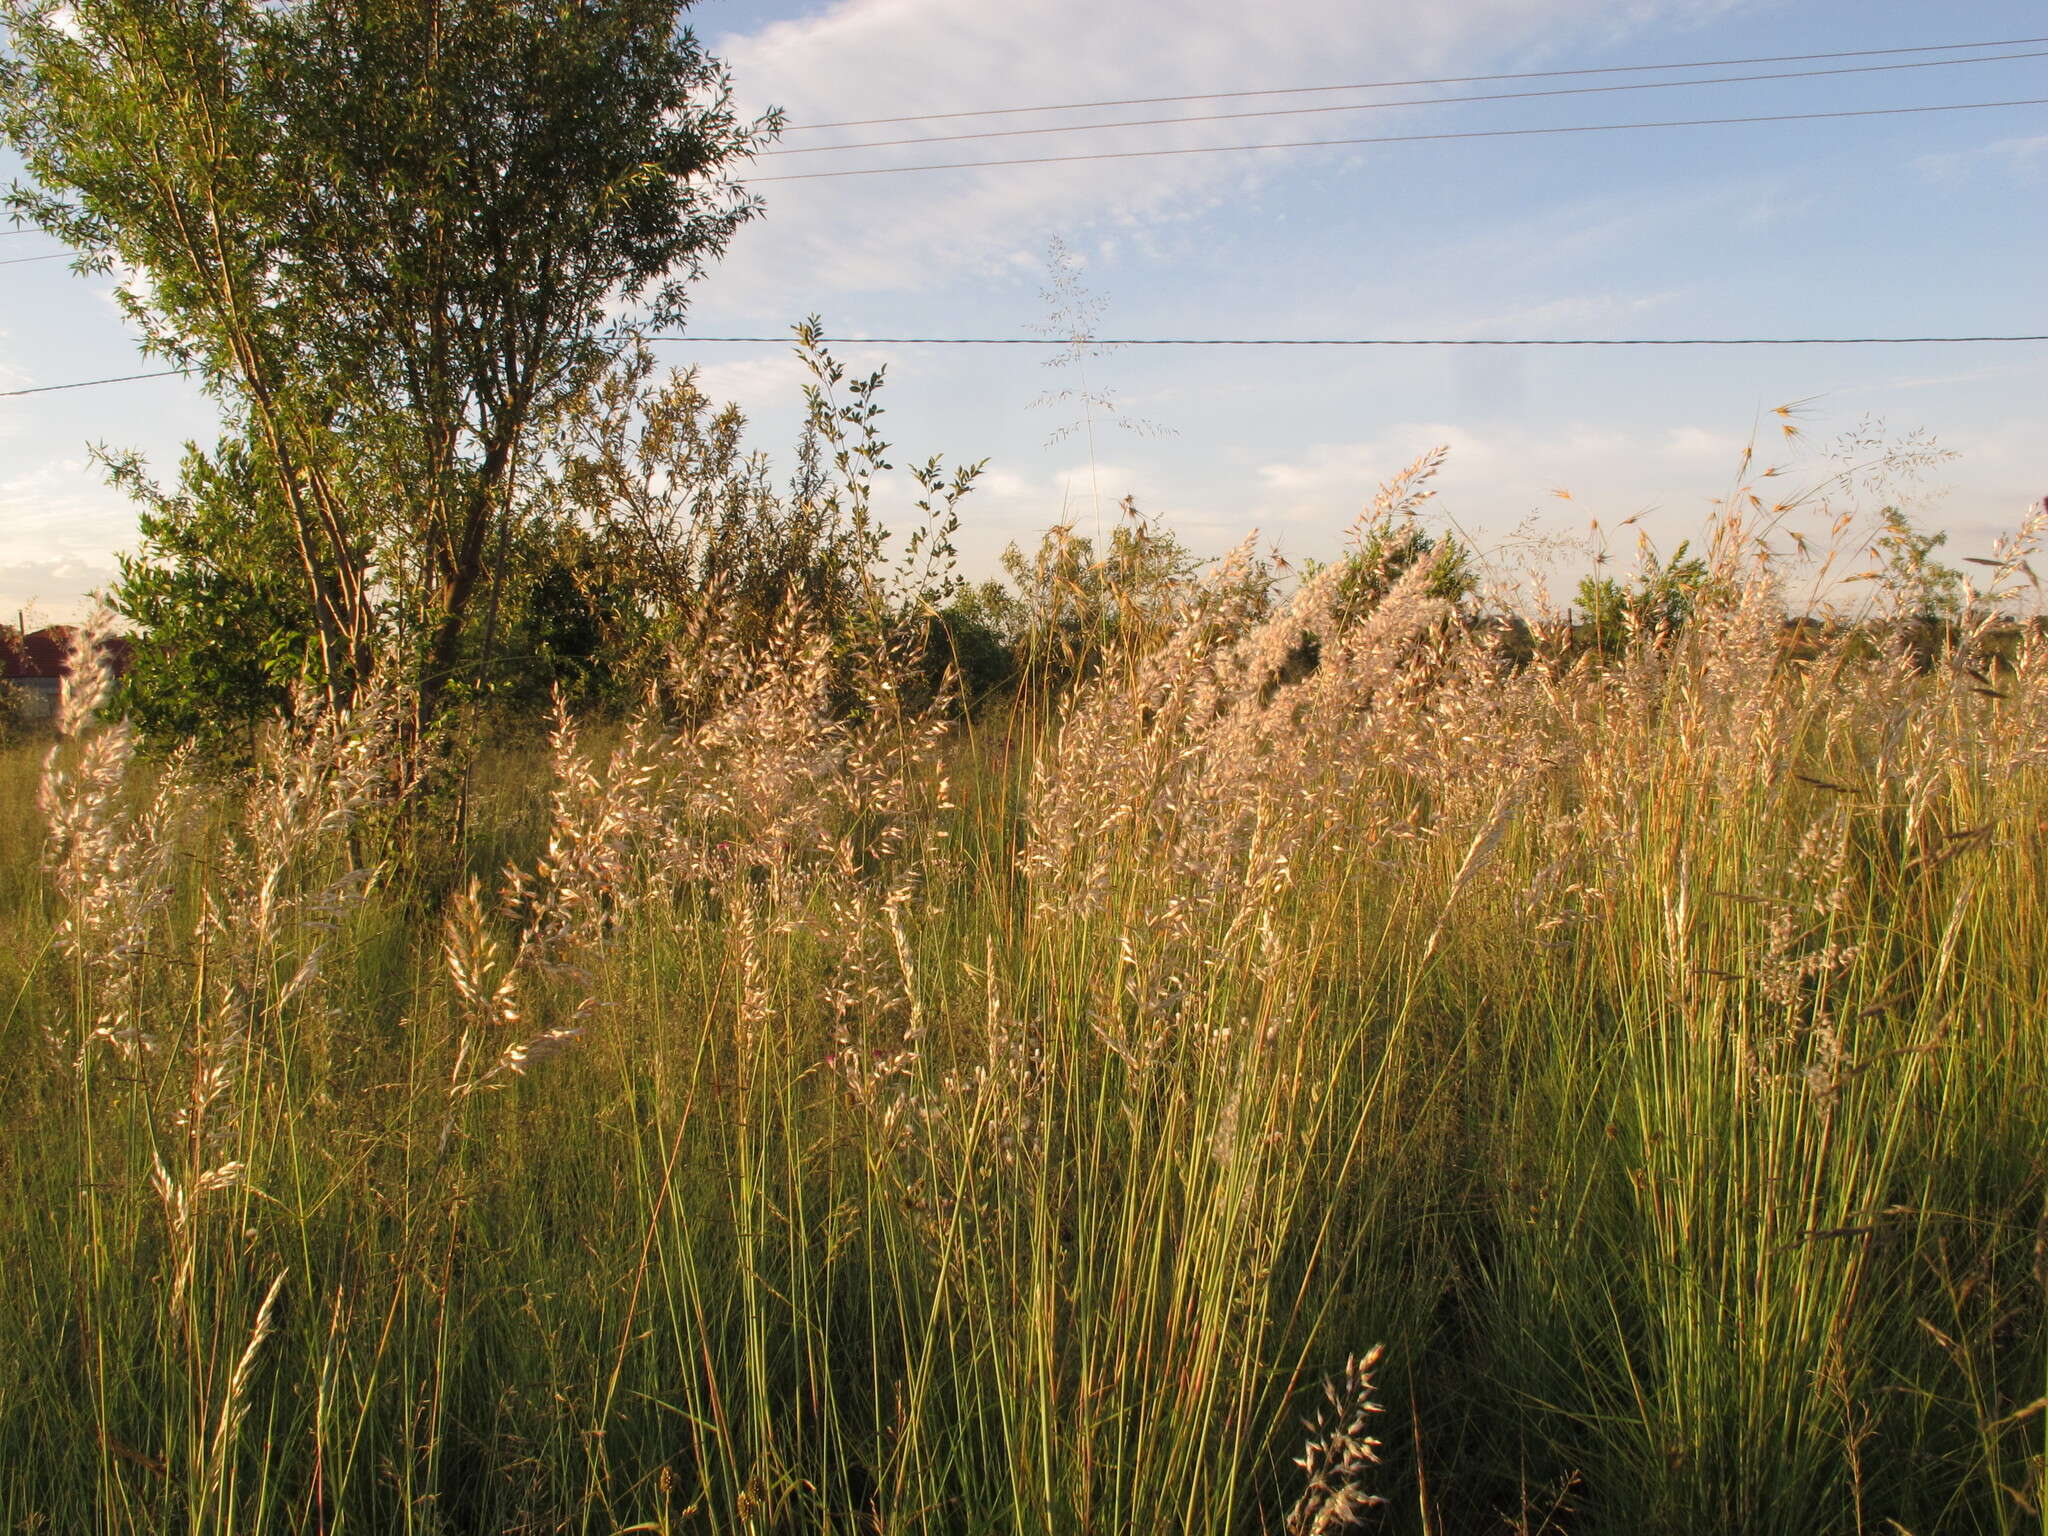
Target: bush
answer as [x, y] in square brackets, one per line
[222, 630]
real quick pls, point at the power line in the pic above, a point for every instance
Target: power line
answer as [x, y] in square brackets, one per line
[1389, 85]
[1367, 341]
[18, 261]
[1243, 341]
[1408, 138]
[1411, 101]
[45, 389]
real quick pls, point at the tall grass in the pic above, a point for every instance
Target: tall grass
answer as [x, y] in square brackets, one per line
[835, 1119]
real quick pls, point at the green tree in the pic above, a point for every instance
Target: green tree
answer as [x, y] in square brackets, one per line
[12, 705]
[669, 532]
[1390, 549]
[213, 593]
[677, 514]
[1665, 598]
[1606, 606]
[1068, 603]
[389, 235]
[1917, 586]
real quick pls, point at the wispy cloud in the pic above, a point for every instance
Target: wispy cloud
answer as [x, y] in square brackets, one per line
[61, 511]
[49, 591]
[2021, 159]
[1607, 471]
[12, 375]
[909, 234]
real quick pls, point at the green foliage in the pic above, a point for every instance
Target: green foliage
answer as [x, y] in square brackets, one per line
[1666, 597]
[224, 630]
[1068, 608]
[1916, 586]
[564, 613]
[12, 712]
[1666, 1098]
[843, 478]
[675, 522]
[390, 237]
[968, 637]
[1390, 548]
[654, 533]
[1067, 605]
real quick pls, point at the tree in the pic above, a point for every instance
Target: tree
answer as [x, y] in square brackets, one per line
[679, 538]
[678, 513]
[1072, 603]
[226, 626]
[1389, 548]
[1666, 596]
[388, 234]
[1917, 587]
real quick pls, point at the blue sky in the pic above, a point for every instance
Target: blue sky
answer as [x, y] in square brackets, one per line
[1856, 226]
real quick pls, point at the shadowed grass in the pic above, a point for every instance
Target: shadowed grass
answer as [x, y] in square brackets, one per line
[842, 1123]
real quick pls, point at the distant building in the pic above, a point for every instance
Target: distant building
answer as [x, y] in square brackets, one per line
[35, 664]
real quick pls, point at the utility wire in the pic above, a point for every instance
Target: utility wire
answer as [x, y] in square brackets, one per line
[1366, 341]
[19, 261]
[1388, 85]
[45, 389]
[1411, 101]
[1407, 138]
[1244, 341]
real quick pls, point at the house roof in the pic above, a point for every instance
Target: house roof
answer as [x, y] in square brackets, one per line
[46, 652]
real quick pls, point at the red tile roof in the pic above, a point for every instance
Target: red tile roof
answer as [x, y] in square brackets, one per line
[45, 652]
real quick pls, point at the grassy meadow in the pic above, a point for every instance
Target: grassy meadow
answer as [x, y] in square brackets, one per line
[1407, 1093]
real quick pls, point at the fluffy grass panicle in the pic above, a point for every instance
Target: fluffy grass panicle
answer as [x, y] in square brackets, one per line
[888, 1134]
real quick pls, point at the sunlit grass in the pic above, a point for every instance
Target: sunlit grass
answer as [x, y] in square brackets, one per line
[1016, 1130]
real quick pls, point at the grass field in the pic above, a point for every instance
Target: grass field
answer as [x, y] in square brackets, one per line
[814, 1120]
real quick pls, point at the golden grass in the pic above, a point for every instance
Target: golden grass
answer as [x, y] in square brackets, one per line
[838, 1121]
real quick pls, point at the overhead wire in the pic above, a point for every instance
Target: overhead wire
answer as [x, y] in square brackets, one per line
[1385, 85]
[1368, 341]
[1412, 101]
[1404, 138]
[1557, 342]
[121, 378]
[1240, 341]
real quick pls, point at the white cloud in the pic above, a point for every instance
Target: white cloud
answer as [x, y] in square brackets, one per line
[1500, 487]
[910, 233]
[2007, 470]
[1009, 508]
[11, 376]
[1609, 473]
[1584, 313]
[49, 591]
[2023, 159]
[754, 384]
[61, 510]
[1906, 381]
[771, 383]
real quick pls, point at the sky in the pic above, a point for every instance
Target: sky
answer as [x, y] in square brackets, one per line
[1910, 224]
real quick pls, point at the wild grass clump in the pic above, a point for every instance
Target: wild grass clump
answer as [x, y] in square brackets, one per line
[839, 1117]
